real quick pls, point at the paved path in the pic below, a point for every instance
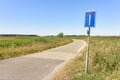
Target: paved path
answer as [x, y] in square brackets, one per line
[38, 66]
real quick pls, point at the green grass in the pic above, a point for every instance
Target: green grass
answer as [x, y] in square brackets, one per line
[104, 62]
[17, 46]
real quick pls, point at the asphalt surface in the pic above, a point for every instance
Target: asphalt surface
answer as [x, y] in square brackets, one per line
[40, 65]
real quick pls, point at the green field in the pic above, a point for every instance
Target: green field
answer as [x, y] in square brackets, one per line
[104, 58]
[104, 62]
[21, 45]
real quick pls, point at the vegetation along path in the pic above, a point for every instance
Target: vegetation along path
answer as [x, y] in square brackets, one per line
[39, 66]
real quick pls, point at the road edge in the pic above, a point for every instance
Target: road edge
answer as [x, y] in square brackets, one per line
[58, 67]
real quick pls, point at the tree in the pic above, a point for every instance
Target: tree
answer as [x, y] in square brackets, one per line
[60, 34]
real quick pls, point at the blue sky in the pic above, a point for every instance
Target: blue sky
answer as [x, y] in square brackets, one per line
[49, 17]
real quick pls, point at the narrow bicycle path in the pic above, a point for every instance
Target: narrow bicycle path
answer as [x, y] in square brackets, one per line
[38, 66]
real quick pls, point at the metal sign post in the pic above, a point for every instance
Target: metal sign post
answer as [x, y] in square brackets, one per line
[87, 53]
[89, 22]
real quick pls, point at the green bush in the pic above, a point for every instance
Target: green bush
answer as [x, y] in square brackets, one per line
[60, 34]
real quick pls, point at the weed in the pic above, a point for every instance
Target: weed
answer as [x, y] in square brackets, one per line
[104, 61]
[17, 46]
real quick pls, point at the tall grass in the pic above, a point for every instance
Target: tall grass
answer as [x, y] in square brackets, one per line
[104, 62]
[17, 46]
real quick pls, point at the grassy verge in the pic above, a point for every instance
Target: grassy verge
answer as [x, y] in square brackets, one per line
[104, 62]
[17, 46]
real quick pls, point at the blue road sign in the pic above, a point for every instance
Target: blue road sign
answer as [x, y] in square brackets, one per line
[90, 19]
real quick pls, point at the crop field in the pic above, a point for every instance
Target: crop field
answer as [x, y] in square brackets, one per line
[104, 57]
[21, 45]
[104, 62]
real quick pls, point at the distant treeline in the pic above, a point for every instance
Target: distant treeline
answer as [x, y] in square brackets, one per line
[65, 36]
[7, 35]
[74, 35]
[16, 35]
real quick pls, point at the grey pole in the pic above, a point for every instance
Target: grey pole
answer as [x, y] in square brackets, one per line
[87, 53]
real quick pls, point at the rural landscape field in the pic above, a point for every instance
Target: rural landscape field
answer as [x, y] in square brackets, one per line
[16, 45]
[104, 57]
[59, 39]
[104, 62]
